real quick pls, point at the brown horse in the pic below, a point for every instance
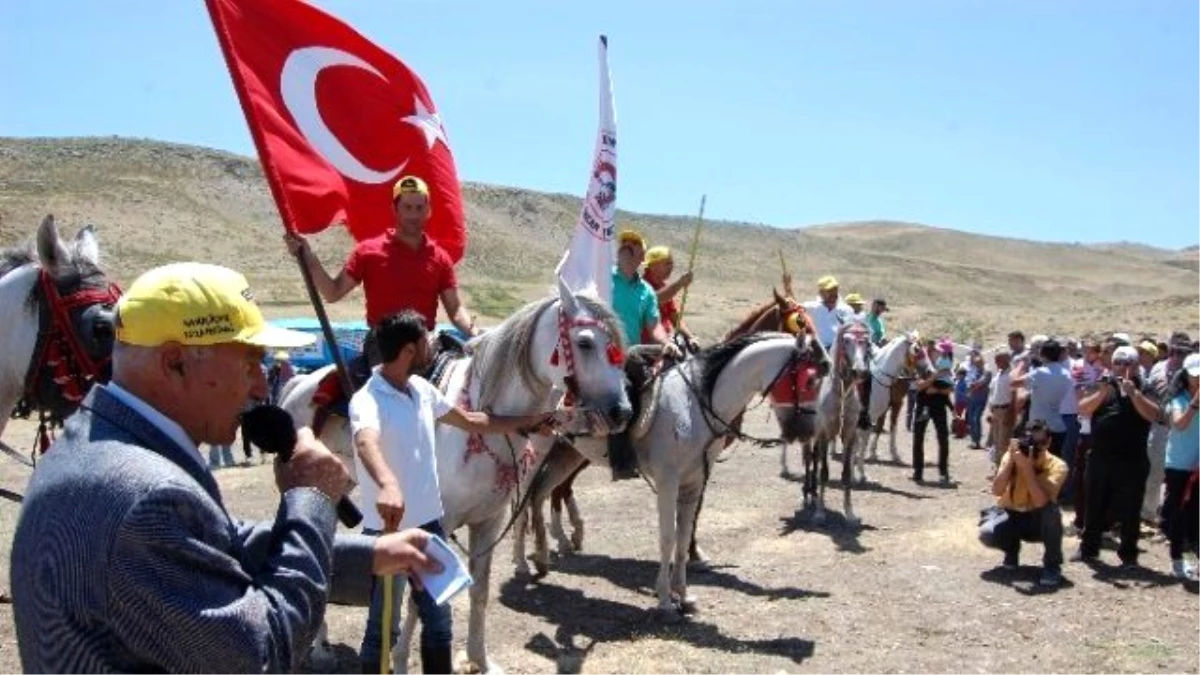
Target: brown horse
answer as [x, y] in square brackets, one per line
[777, 315]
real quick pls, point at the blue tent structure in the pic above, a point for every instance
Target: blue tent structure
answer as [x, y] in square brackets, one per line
[348, 334]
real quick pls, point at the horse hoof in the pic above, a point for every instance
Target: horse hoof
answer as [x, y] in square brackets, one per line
[670, 614]
[542, 570]
[577, 540]
[819, 517]
[523, 572]
[322, 658]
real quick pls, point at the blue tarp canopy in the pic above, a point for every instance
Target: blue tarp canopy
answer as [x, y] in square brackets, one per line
[349, 336]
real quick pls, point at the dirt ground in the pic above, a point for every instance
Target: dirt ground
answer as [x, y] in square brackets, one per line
[910, 591]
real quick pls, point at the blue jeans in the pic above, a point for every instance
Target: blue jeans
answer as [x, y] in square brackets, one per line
[218, 454]
[1070, 442]
[436, 628]
[975, 408]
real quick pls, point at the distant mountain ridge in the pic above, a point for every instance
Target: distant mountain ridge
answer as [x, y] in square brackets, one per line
[154, 202]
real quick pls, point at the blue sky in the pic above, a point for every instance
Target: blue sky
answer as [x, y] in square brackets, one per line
[1069, 120]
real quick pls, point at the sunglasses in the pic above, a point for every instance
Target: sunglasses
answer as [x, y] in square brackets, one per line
[1124, 362]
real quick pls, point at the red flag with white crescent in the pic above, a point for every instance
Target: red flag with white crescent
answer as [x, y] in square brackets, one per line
[336, 120]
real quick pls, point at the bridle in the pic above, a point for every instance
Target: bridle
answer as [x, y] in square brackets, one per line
[564, 352]
[910, 363]
[59, 355]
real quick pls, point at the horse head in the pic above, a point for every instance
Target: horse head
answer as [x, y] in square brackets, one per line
[59, 329]
[80, 287]
[854, 348]
[591, 357]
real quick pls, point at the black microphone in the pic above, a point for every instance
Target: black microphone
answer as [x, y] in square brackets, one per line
[272, 429]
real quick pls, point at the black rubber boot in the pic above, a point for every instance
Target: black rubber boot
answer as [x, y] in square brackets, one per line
[435, 660]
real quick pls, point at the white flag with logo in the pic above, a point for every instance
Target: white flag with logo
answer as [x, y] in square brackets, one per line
[589, 259]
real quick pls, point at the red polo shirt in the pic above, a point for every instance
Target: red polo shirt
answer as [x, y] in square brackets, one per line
[395, 277]
[667, 311]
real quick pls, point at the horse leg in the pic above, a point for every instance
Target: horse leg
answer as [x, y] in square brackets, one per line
[698, 560]
[408, 628]
[541, 550]
[896, 408]
[668, 497]
[520, 530]
[822, 478]
[576, 522]
[482, 536]
[565, 494]
[321, 657]
[784, 472]
[687, 505]
[848, 439]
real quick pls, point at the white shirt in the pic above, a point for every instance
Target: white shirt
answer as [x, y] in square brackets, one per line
[406, 422]
[168, 426]
[826, 320]
[1000, 390]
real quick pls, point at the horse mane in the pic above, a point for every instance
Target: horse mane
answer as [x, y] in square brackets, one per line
[715, 358]
[16, 257]
[751, 319]
[505, 352]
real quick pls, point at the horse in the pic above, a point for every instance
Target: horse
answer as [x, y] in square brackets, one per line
[896, 364]
[689, 411]
[838, 408]
[570, 343]
[776, 315]
[58, 331]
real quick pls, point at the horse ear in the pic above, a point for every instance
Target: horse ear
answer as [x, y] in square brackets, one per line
[566, 298]
[87, 246]
[51, 251]
[778, 297]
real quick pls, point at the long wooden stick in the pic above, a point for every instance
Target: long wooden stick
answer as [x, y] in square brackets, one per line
[692, 255]
[385, 649]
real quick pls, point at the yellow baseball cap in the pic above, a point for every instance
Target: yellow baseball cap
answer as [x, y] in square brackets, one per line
[1149, 347]
[197, 304]
[855, 299]
[827, 283]
[409, 185]
[657, 254]
[630, 237]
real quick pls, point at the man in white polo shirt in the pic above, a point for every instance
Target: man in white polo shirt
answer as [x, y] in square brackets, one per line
[393, 418]
[827, 311]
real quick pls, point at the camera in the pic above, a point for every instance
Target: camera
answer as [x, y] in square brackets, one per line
[1038, 433]
[1027, 445]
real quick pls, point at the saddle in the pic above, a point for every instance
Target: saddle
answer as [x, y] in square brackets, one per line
[331, 398]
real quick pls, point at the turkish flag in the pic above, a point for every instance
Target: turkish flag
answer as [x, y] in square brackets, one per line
[336, 120]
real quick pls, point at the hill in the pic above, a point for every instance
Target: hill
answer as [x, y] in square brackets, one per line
[156, 202]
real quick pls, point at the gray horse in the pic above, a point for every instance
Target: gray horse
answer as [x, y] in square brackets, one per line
[838, 408]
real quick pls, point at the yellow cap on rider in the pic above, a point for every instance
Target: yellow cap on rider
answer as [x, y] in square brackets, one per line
[827, 283]
[630, 237]
[855, 299]
[409, 185]
[657, 254]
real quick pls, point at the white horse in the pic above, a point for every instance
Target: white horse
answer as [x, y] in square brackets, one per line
[902, 357]
[838, 408]
[53, 296]
[677, 441]
[569, 343]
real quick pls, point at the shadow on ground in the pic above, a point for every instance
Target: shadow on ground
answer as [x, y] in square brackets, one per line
[582, 622]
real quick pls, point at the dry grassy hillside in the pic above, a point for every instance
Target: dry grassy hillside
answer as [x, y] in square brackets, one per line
[156, 202]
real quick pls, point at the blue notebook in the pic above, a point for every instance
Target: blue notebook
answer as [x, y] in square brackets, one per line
[454, 577]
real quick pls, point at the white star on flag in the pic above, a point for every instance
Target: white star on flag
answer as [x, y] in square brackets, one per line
[429, 124]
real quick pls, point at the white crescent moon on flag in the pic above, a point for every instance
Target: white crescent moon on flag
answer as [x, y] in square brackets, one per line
[298, 86]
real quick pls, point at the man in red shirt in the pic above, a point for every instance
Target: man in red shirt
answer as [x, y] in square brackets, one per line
[659, 266]
[400, 269]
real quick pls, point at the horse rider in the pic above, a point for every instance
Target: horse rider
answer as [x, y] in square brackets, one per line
[659, 266]
[634, 301]
[856, 303]
[827, 311]
[399, 269]
[875, 322]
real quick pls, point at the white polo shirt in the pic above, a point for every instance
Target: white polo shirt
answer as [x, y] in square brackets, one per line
[1000, 390]
[826, 320]
[406, 422]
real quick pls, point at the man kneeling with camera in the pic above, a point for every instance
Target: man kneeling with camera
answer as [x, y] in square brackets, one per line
[1026, 488]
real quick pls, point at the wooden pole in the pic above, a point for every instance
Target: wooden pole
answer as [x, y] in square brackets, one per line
[692, 255]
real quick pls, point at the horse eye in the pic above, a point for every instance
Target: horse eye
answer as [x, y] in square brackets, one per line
[585, 344]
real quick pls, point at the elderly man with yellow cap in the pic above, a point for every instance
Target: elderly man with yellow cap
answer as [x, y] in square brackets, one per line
[827, 311]
[400, 269]
[635, 303]
[125, 552]
[659, 266]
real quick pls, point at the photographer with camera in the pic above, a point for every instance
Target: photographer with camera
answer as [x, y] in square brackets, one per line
[1026, 488]
[1122, 409]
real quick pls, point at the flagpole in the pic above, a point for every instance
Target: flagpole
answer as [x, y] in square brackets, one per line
[692, 256]
[275, 184]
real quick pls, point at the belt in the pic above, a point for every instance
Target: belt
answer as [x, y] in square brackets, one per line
[1001, 407]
